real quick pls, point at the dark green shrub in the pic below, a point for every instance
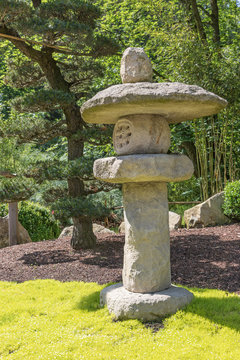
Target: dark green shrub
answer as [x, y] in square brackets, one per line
[231, 204]
[3, 209]
[36, 219]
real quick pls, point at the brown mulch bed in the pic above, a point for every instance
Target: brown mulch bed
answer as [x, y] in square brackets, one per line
[204, 258]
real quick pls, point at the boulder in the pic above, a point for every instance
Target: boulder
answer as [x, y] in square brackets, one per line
[4, 239]
[175, 221]
[67, 231]
[97, 229]
[121, 228]
[207, 213]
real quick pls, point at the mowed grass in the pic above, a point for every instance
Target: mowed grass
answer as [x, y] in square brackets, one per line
[46, 319]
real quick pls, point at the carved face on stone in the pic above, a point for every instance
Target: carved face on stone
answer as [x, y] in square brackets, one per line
[141, 134]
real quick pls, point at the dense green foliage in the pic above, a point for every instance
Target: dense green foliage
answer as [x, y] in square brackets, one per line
[46, 319]
[16, 189]
[195, 46]
[36, 219]
[231, 204]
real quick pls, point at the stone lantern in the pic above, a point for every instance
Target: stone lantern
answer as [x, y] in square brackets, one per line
[142, 111]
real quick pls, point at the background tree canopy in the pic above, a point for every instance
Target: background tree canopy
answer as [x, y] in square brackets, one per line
[53, 58]
[195, 42]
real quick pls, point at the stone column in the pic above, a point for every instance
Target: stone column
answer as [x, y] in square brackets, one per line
[142, 111]
[13, 229]
[147, 246]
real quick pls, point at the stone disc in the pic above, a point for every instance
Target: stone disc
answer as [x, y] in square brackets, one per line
[143, 168]
[123, 304]
[174, 102]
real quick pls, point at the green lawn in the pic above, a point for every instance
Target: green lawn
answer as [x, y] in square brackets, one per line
[46, 319]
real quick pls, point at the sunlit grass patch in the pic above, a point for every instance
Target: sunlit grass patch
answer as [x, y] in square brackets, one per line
[46, 319]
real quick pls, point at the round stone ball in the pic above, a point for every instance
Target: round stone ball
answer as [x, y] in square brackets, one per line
[135, 66]
[141, 134]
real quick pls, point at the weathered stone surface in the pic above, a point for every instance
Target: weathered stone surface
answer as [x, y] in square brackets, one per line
[135, 66]
[143, 168]
[208, 213]
[123, 304]
[121, 228]
[141, 134]
[4, 240]
[99, 229]
[68, 231]
[146, 266]
[175, 221]
[174, 102]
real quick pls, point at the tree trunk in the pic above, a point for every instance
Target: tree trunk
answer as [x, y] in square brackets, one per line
[13, 230]
[190, 149]
[215, 22]
[83, 236]
[198, 21]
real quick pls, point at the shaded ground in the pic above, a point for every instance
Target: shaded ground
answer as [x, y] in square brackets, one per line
[208, 257]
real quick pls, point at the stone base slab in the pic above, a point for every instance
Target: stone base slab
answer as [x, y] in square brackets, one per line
[124, 304]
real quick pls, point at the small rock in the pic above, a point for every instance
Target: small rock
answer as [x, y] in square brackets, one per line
[135, 66]
[208, 213]
[121, 228]
[99, 229]
[68, 231]
[175, 221]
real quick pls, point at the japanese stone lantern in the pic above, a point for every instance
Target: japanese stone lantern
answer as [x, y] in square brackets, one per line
[142, 111]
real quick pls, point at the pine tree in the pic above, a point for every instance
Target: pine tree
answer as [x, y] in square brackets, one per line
[58, 45]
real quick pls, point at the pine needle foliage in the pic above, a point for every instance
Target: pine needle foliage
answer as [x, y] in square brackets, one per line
[42, 100]
[17, 189]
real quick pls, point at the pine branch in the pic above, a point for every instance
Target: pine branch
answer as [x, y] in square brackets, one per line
[23, 74]
[35, 129]
[20, 43]
[57, 49]
[198, 21]
[7, 174]
[16, 189]
[99, 186]
[70, 207]
[43, 100]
